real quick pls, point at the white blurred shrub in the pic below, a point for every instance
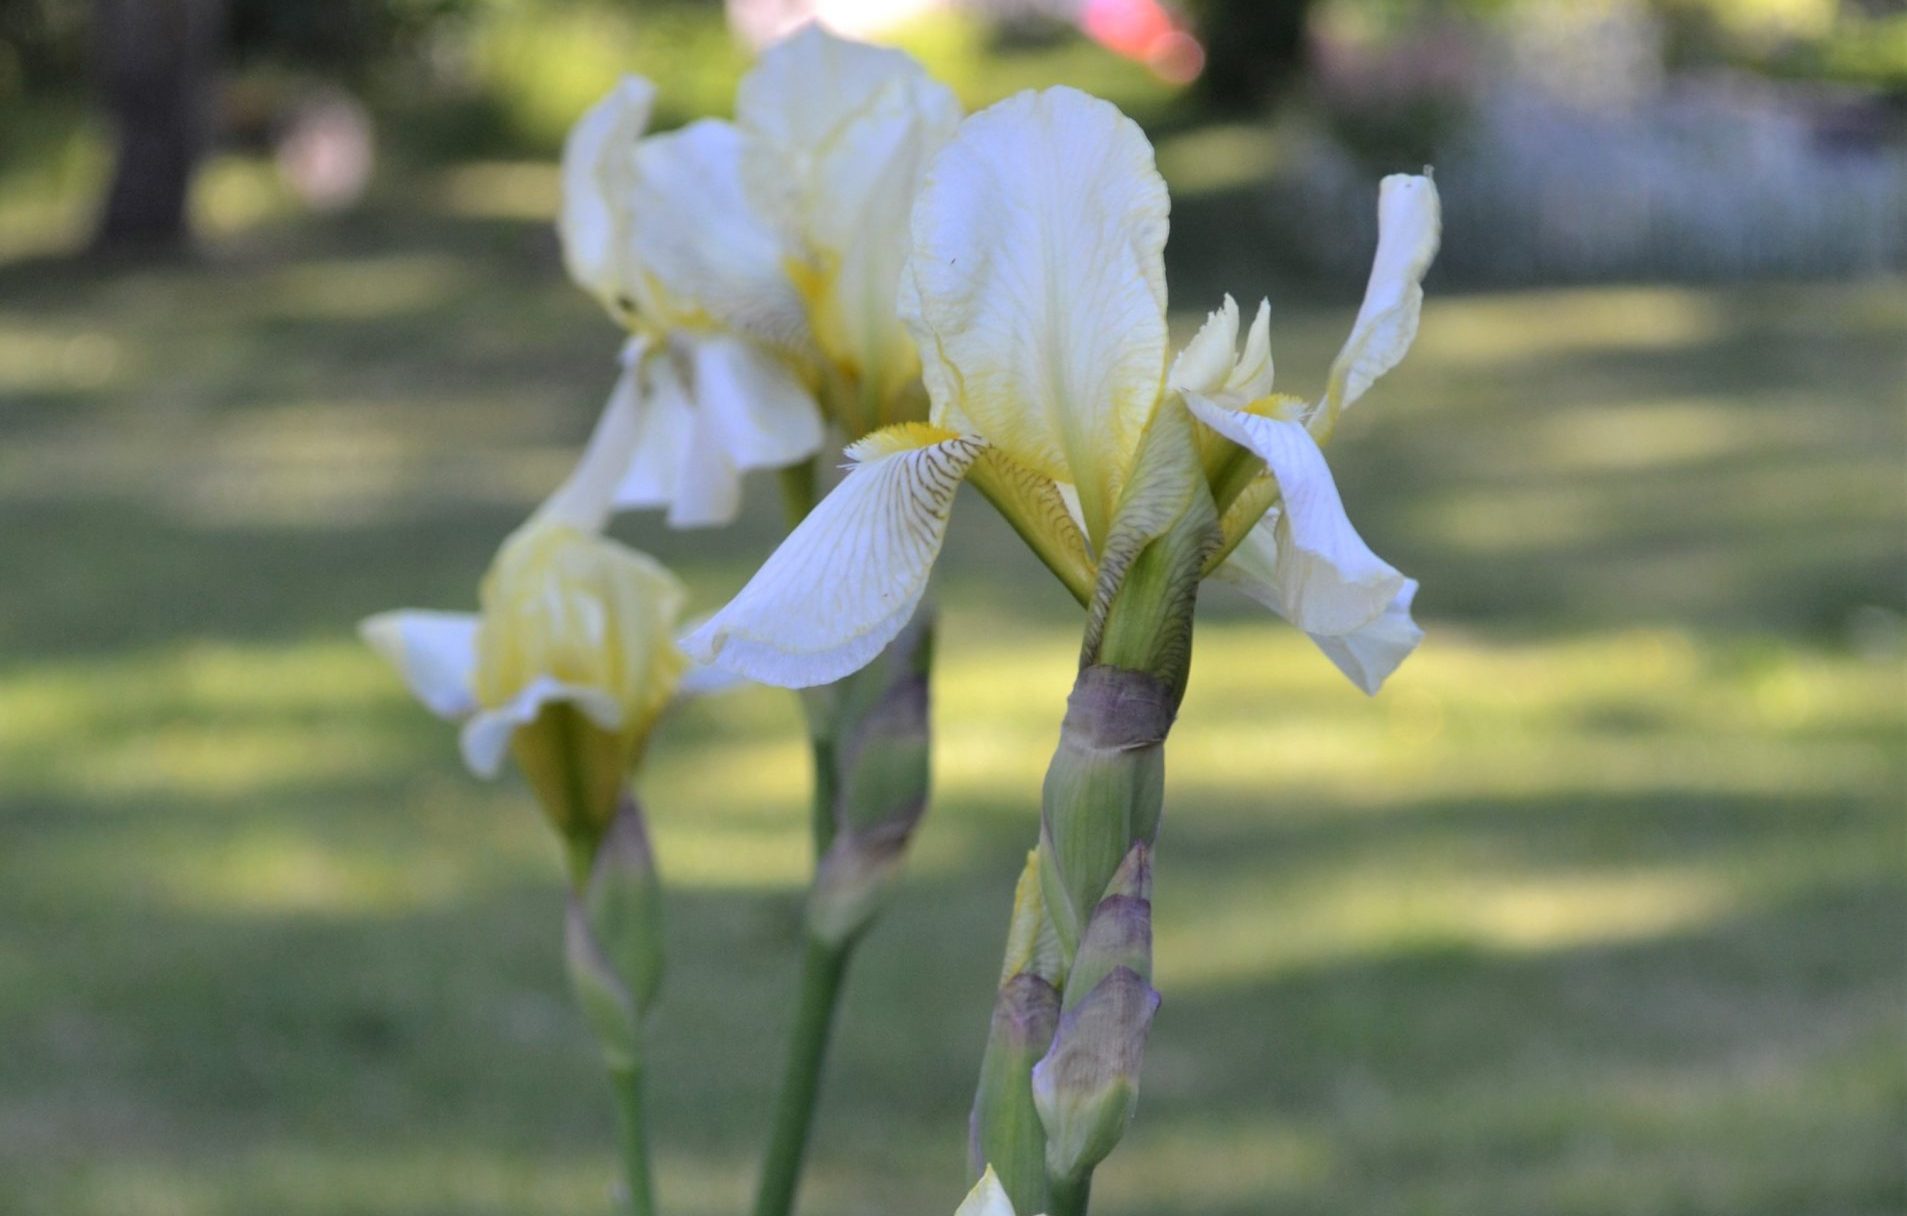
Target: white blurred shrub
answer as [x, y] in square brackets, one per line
[1566, 151]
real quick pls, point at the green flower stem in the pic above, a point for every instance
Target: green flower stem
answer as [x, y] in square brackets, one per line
[821, 747]
[1070, 1199]
[635, 1140]
[822, 970]
[822, 966]
[868, 734]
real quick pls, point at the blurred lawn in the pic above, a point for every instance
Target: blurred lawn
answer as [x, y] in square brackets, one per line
[1597, 910]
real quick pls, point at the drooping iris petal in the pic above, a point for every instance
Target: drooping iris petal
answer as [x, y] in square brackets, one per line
[846, 580]
[1036, 287]
[755, 404]
[840, 135]
[700, 679]
[704, 410]
[598, 177]
[708, 258]
[1409, 224]
[588, 495]
[485, 738]
[1367, 654]
[1328, 580]
[654, 389]
[434, 652]
[1212, 365]
[709, 487]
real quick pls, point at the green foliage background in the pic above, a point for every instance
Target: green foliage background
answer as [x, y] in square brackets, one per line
[1598, 909]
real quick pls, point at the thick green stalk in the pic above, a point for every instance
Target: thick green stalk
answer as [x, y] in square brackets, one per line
[821, 816]
[635, 1140]
[822, 969]
[1070, 1199]
[1100, 811]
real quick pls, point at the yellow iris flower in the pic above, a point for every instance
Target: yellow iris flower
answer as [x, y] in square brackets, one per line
[572, 657]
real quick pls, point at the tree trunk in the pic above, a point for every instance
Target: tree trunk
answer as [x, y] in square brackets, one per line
[156, 66]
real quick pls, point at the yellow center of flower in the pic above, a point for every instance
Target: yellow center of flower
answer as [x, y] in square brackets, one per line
[563, 604]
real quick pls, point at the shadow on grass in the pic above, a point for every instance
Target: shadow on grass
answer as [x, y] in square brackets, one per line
[1743, 1063]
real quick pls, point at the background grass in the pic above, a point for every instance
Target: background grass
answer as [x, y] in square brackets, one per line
[1597, 910]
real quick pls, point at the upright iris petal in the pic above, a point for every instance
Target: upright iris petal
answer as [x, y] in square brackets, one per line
[708, 258]
[598, 174]
[1036, 288]
[1409, 226]
[840, 135]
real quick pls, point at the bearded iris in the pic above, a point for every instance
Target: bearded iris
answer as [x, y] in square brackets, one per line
[570, 661]
[1035, 291]
[754, 263]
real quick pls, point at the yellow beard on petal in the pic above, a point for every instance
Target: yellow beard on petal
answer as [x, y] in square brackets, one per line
[901, 437]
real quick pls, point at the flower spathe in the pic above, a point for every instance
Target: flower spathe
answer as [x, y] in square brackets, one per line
[1036, 294]
[572, 656]
[755, 262]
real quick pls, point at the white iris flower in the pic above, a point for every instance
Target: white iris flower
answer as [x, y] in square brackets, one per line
[755, 263]
[1035, 292]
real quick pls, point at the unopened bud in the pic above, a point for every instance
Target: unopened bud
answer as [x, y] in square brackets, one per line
[1119, 933]
[874, 724]
[613, 937]
[1005, 1129]
[1032, 944]
[852, 882]
[1088, 1084]
[881, 737]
